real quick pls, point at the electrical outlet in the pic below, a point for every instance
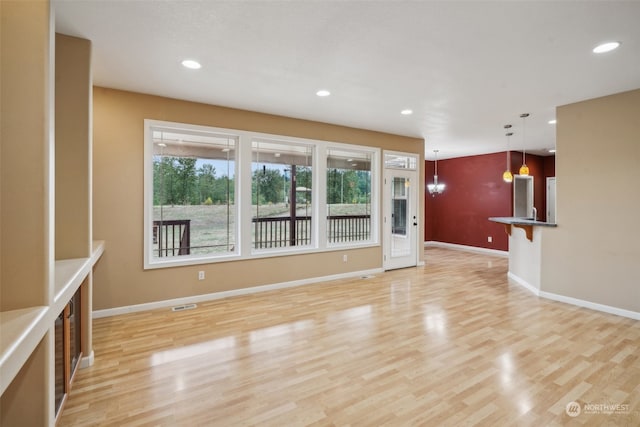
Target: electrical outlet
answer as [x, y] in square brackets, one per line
[200, 275]
[344, 258]
[489, 239]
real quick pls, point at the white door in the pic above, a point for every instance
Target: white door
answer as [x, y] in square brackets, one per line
[400, 218]
[551, 200]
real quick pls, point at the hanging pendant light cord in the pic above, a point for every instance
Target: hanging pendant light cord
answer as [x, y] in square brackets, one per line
[524, 148]
[436, 167]
[508, 151]
[508, 135]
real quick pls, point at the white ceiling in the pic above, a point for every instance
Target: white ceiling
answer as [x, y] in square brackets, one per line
[464, 68]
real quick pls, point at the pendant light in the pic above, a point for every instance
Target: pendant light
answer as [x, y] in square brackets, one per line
[507, 176]
[524, 169]
[435, 188]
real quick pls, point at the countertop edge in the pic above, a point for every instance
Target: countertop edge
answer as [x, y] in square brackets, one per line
[521, 221]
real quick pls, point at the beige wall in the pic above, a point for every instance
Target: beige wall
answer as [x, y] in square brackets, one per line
[73, 147]
[594, 253]
[26, 272]
[118, 201]
[25, 160]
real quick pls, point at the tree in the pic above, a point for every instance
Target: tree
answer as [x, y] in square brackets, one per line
[267, 186]
[164, 178]
[303, 180]
[206, 182]
[223, 190]
[185, 189]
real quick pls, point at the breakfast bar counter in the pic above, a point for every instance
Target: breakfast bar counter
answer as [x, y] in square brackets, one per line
[525, 250]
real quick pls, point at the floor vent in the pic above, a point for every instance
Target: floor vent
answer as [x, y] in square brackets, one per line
[183, 307]
[367, 276]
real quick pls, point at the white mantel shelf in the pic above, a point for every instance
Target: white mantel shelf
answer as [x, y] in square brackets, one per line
[21, 330]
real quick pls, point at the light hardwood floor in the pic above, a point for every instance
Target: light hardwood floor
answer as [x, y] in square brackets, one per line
[451, 343]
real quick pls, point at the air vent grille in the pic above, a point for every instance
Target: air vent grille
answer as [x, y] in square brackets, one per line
[183, 307]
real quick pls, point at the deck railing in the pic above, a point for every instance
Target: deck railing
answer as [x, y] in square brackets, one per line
[274, 232]
[348, 228]
[173, 237]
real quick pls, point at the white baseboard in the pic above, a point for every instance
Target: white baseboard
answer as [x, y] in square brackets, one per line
[87, 361]
[591, 305]
[494, 252]
[520, 281]
[224, 294]
[573, 301]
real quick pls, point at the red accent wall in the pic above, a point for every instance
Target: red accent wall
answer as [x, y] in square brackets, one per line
[474, 192]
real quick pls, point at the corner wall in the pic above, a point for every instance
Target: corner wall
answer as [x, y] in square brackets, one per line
[118, 201]
[593, 253]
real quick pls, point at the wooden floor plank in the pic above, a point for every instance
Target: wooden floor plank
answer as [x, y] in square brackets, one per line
[450, 343]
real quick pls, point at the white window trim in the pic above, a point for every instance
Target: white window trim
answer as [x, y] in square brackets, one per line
[375, 195]
[314, 243]
[243, 161]
[149, 261]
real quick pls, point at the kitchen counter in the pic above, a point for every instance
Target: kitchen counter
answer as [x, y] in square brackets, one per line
[526, 224]
[525, 250]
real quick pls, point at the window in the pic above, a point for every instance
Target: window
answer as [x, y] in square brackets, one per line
[400, 161]
[214, 195]
[281, 194]
[348, 195]
[193, 208]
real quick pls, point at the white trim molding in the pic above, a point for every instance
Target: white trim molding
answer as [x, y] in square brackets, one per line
[87, 360]
[591, 305]
[520, 281]
[225, 294]
[573, 301]
[494, 252]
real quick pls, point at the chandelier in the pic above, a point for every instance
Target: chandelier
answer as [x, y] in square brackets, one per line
[435, 188]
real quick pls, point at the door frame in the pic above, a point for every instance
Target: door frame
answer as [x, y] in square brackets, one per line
[551, 196]
[413, 173]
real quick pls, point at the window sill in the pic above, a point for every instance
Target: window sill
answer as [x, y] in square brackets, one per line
[258, 254]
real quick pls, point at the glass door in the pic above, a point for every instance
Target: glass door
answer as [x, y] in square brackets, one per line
[400, 221]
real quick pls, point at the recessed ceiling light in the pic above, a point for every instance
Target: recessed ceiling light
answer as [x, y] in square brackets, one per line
[323, 92]
[190, 63]
[606, 47]
[406, 112]
[553, 122]
[552, 150]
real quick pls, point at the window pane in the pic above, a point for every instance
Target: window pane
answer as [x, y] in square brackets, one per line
[193, 193]
[399, 207]
[398, 161]
[348, 196]
[281, 194]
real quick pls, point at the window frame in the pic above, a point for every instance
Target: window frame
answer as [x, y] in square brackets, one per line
[150, 261]
[375, 195]
[243, 190]
[313, 242]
